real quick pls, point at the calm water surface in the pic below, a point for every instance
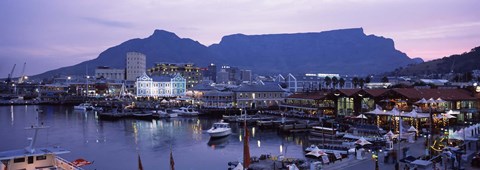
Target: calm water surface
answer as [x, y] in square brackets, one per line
[115, 144]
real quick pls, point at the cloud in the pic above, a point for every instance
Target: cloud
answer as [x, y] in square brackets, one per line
[108, 23]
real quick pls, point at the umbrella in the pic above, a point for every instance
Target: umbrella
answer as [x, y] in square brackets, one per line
[443, 115]
[362, 141]
[292, 167]
[451, 112]
[317, 152]
[431, 101]
[390, 133]
[439, 100]
[412, 129]
[421, 101]
[377, 111]
[361, 116]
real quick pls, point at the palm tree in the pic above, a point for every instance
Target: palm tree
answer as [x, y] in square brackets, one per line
[368, 79]
[334, 82]
[355, 82]
[341, 82]
[361, 82]
[385, 79]
[328, 81]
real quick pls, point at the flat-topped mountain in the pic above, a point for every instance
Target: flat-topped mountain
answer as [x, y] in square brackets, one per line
[347, 51]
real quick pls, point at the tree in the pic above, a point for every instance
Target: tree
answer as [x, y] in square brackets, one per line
[328, 81]
[368, 79]
[384, 79]
[335, 82]
[341, 82]
[361, 82]
[355, 82]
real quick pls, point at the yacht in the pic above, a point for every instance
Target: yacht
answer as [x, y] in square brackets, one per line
[31, 158]
[220, 129]
[185, 111]
[84, 106]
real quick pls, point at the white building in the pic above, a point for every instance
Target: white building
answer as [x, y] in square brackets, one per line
[258, 95]
[110, 73]
[174, 86]
[135, 65]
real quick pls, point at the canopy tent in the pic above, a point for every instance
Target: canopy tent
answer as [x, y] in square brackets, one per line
[446, 116]
[451, 112]
[292, 167]
[362, 141]
[412, 129]
[361, 116]
[316, 152]
[421, 101]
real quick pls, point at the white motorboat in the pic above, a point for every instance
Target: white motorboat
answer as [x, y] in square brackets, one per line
[185, 111]
[31, 158]
[84, 106]
[220, 129]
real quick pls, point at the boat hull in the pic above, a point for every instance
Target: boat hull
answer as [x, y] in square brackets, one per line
[217, 134]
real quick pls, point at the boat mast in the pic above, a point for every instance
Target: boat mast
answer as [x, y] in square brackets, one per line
[36, 127]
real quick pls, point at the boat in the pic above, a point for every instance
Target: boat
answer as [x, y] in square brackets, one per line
[84, 106]
[31, 158]
[143, 115]
[185, 111]
[220, 129]
[325, 132]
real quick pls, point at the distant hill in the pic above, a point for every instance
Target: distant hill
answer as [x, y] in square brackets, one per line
[347, 51]
[459, 63]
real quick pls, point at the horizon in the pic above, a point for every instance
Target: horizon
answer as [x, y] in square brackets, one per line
[52, 34]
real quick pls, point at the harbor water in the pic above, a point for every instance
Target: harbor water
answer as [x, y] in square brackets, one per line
[116, 144]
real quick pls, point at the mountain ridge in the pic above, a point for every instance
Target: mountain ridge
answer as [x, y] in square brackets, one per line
[347, 51]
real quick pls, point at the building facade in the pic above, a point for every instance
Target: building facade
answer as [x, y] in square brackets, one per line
[135, 65]
[174, 86]
[109, 73]
[189, 71]
[256, 96]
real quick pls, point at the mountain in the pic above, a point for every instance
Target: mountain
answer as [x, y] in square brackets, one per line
[347, 51]
[459, 63]
[161, 46]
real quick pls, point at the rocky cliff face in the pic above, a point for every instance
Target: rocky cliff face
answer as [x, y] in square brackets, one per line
[347, 51]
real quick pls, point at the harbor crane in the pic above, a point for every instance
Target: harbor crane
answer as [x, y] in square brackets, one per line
[22, 76]
[9, 79]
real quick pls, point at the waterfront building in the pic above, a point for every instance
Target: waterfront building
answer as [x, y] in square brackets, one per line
[135, 65]
[160, 86]
[109, 73]
[217, 99]
[259, 95]
[316, 82]
[189, 71]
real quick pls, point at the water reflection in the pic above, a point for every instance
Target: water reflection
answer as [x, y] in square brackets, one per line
[93, 139]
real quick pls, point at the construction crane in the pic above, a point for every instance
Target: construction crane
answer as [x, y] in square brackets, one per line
[22, 76]
[9, 79]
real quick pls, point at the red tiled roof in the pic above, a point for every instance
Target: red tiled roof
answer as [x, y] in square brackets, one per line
[349, 92]
[445, 94]
[375, 92]
[311, 95]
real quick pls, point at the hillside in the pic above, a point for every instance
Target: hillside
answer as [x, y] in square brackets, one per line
[458, 63]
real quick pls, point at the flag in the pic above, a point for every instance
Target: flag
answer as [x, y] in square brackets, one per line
[172, 162]
[140, 167]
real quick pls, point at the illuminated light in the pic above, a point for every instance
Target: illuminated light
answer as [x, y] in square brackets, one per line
[281, 148]
[258, 143]
[253, 131]
[240, 137]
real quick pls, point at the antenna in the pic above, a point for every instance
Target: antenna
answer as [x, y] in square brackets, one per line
[36, 127]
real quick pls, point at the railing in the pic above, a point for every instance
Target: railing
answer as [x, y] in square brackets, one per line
[67, 165]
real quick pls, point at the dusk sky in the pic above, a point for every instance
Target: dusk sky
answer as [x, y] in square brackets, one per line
[49, 34]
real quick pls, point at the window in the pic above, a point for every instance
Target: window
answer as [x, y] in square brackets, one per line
[43, 157]
[18, 160]
[30, 160]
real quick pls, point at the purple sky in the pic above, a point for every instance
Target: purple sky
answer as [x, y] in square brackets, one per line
[49, 34]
